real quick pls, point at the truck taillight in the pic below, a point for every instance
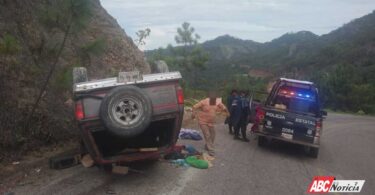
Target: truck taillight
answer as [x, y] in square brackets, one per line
[180, 95]
[318, 128]
[260, 112]
[79, 111]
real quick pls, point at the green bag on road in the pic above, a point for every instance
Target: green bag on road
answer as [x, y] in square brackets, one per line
[197, 163]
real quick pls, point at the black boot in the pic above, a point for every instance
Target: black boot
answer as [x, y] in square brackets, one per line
[243, 132]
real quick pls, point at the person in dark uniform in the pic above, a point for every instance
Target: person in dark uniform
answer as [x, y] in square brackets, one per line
[240, 111]
[231, 97]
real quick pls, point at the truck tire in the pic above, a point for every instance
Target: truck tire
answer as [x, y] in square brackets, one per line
[262, 141]
[313, 152]
[160, 66]
[126, 111]
[79, 75]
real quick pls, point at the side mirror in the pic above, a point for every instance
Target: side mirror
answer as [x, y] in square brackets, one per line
[323, 113]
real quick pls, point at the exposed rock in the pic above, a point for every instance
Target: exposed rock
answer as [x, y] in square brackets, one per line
[25, 47]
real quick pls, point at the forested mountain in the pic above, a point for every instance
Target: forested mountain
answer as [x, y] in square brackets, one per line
[340, 61]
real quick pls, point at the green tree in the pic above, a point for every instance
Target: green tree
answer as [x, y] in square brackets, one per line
[142, 35]
[190, 57]
[186, 36]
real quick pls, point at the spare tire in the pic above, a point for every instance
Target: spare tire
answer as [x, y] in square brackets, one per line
[126, 111]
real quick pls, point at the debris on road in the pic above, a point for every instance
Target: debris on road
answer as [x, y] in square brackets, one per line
[174, 156]
[191, 150]
[191, 134]
[208, 158]
[66, 160]
[179, 163]
[87, 161]
[37, 170]
[196, 162]
[122, 170]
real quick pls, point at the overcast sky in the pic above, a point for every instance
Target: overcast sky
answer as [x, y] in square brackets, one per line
[258, 20]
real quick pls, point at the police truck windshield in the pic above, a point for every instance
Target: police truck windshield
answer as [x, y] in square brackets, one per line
[296, 99]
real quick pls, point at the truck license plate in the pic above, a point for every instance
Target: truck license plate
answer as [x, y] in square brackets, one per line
[287, 133]
[287, 136]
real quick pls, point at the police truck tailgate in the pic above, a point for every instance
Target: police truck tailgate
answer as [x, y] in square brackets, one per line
[289, 125]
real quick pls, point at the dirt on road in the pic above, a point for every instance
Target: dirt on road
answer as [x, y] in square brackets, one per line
[347, 152]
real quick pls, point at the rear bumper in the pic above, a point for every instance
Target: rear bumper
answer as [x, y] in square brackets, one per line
[316, 143]
[139, 156]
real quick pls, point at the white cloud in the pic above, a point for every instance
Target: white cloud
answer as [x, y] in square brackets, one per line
[258, 20]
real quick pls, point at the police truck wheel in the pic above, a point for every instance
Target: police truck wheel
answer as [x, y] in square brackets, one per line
[313, 152]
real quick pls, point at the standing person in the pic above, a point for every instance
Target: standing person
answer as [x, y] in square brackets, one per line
[231, 97]
[241, 111]
[206, 110]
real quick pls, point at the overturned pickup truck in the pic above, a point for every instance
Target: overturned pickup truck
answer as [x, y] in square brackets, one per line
[130, 117]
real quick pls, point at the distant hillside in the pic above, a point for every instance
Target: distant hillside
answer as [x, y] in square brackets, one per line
[341, 62]
[293, 53]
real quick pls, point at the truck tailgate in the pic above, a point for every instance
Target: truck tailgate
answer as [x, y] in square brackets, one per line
[289, 125]
[163, 97]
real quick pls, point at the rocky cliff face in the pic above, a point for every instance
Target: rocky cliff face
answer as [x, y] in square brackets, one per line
[28, 46]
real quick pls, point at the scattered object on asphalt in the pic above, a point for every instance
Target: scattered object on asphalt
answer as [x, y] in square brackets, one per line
[208, 158]
[179, 163]
[191, 150]
[174, 156]
[15, 163]
[65, 160]
[37, 170]
[190, 134]
[148, 149]
[136, 171]
[123, 170]
[87, 161]
[197, 163]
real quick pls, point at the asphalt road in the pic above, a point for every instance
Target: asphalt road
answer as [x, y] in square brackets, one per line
[347, 152]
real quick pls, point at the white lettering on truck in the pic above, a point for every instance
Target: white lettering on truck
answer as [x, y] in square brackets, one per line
[304, 121]
[274, 115]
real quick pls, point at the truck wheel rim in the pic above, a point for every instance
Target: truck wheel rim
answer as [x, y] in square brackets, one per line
[127, 111]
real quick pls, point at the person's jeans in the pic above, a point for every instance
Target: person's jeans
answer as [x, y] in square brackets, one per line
[209, 136]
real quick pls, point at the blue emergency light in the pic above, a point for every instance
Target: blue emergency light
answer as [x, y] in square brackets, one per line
[292, 93]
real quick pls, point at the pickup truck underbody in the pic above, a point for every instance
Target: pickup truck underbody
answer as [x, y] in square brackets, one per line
[110, 143]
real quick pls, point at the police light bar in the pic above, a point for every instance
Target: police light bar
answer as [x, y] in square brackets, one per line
[292, 93]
